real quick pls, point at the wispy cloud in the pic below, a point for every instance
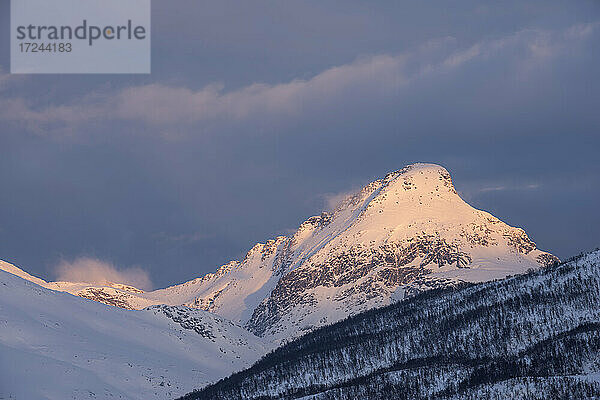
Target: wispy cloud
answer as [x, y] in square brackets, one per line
[95, 271]
[159, 105]
[333, 200]
[502, 188]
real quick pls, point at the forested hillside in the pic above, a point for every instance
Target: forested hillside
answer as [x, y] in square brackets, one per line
[532, 336]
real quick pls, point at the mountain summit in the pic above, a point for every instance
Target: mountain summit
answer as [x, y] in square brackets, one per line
[407, 232]
[399, 235]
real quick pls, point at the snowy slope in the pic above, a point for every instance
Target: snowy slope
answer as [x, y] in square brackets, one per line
[399, 235]
[4, 266]
[57, 346]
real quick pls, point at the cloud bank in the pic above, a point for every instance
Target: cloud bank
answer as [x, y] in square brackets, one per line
[159, 105]
[375, 76]
[94, 271]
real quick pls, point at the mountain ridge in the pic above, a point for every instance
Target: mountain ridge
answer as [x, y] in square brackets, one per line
[406, 232]
[56, 346]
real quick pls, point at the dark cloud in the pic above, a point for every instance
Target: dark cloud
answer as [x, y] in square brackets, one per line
[257, 117]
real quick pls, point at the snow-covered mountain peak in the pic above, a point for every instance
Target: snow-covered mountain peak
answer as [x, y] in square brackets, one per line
[414, 188]
[406, 232]
[417, 189]
[420, 172]
[421, 179]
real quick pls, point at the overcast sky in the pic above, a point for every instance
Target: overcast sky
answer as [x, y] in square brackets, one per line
[257, 113]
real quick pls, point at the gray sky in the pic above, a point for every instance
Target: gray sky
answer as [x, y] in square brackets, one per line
[257, 113]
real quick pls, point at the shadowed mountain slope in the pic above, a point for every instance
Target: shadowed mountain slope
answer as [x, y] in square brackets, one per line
[532, 336]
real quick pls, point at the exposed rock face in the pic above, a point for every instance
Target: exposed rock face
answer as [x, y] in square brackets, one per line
[397, 236]
[209, 326]
[107, 296]
[380, 271]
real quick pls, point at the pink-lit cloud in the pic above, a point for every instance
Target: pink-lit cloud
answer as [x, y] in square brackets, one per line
[95, 271]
